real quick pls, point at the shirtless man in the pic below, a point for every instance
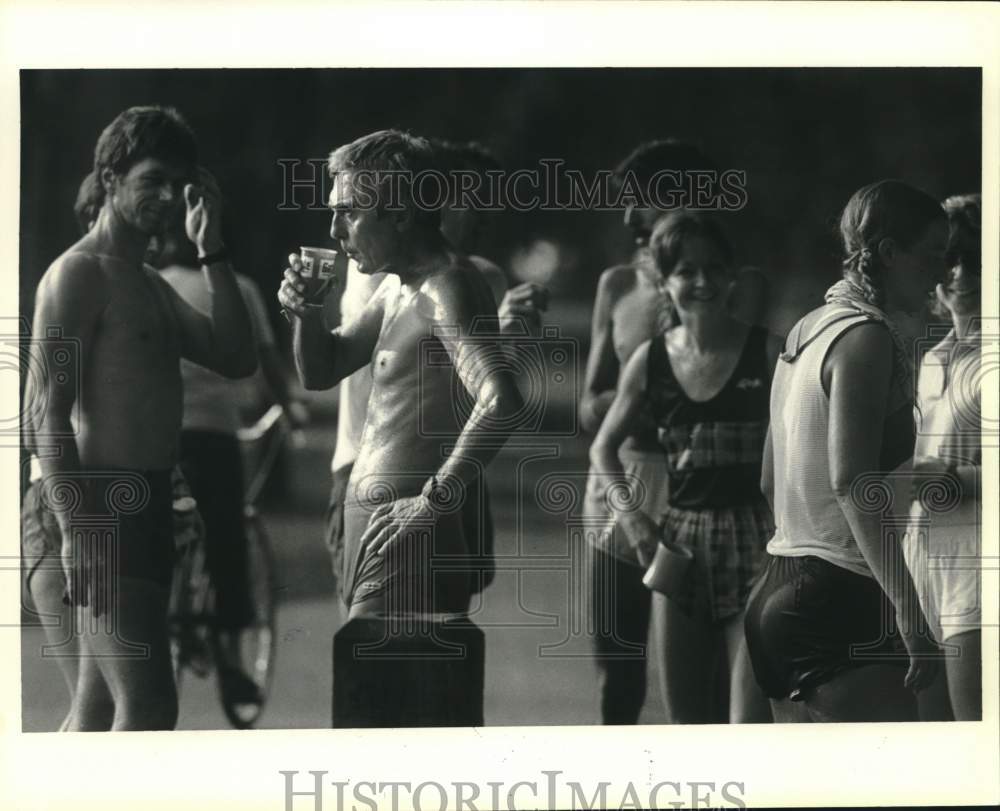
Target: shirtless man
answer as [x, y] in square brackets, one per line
[629, 309]
[132, 331]
[402, 517]
[519, 313]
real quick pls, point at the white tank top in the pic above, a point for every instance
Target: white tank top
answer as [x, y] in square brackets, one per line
[808, 519]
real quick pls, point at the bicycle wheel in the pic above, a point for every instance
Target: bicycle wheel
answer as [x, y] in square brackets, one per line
[189, 616]
[257, 642]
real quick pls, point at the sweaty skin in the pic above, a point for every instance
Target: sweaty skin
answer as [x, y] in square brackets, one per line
[437, 393]
[410, 415]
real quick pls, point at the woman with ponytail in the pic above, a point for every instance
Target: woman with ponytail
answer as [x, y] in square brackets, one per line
[834, 628]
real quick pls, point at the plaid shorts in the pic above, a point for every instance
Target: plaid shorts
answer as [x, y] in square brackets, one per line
[728, 546]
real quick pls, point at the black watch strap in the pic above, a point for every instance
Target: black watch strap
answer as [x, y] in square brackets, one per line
[220, 255]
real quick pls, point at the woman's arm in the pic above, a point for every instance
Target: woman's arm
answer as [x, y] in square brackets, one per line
[859, 368]
[628, 404]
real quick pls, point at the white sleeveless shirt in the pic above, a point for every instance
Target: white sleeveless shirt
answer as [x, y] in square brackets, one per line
[808, 519]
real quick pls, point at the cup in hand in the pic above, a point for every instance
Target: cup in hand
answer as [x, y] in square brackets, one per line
[321, 268]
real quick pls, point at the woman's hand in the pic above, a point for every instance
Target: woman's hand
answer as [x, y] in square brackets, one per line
[932, 471]
[642, 534]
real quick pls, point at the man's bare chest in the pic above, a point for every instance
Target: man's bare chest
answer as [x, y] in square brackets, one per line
[406, 347]
[137, 326]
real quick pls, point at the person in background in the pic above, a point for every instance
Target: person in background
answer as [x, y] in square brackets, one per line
[630, 308]
[841, 419]
[943, 543]
[210, 455]
[704, 382]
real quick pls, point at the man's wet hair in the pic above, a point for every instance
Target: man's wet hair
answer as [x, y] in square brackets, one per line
[390, 151]
[145, 132]
[673, 154]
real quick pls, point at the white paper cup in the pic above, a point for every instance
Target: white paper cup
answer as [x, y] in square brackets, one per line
[322, 263]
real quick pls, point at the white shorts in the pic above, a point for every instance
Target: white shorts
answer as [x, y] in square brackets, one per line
[945, 564]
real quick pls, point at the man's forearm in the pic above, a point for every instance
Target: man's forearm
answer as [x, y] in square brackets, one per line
[232, 332]
[485, 432]
[58, 457]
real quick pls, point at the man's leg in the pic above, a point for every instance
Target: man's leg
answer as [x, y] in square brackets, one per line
[41, 542]
[47, 585]
[619, 616]
[94, 708]
[141, 684]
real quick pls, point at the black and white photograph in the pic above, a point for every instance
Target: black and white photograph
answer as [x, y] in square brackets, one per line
[578, 400]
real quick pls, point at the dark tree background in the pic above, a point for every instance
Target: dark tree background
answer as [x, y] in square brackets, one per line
[807, 138]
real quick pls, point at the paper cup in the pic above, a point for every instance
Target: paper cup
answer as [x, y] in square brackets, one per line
[671, 567]
[321, 263]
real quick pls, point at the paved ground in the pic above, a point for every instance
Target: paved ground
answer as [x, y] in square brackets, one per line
[524, 683]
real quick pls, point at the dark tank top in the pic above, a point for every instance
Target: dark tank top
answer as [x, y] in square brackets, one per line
[714, 448]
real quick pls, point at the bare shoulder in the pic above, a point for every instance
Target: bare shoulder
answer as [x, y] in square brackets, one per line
[495, 278]
[77, 278]
[456, 288]
[616, 281]
[863, 350]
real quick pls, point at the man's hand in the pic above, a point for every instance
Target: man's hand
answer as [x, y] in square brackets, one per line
[87, 578]
[293, 293]
[390, 521]
[526, 301]
[642, 533]
[203, 220]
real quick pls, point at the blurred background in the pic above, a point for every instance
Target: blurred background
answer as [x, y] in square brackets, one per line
[807, 139]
